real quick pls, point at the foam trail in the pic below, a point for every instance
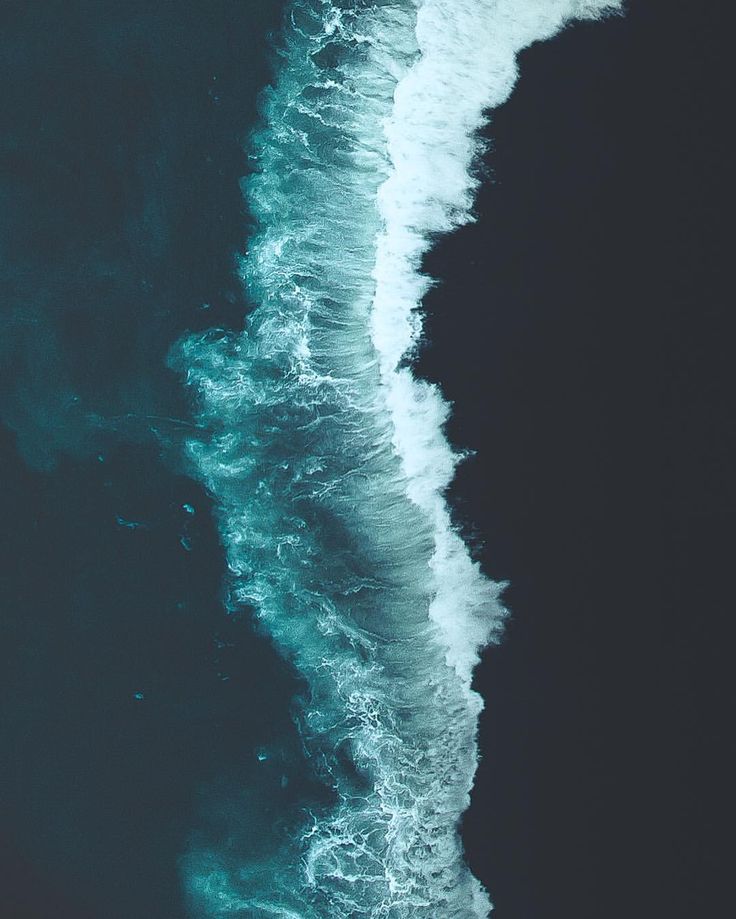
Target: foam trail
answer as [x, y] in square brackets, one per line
[327, 457]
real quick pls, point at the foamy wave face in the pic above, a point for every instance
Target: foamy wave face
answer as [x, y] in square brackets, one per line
[328, 460]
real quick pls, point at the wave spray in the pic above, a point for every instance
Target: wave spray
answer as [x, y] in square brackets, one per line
[327, 457]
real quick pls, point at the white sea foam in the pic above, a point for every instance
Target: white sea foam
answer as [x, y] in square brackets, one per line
[328, 459]
[467, 67]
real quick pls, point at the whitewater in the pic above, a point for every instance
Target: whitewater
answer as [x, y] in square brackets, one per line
[326, 456]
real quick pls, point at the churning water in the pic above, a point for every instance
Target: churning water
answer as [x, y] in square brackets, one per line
[327, 458]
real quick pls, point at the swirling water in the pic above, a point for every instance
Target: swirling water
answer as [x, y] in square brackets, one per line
[326, 455]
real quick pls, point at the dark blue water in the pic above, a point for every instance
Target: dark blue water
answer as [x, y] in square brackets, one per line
[238, 627]
[121, 213]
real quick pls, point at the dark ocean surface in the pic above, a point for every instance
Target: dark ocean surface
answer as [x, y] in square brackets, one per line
[581, 331]
[123, 127]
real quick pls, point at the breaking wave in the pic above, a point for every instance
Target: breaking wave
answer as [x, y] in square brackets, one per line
[327, 457]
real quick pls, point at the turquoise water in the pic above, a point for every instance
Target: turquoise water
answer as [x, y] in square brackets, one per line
[327, 461]
[158, 758]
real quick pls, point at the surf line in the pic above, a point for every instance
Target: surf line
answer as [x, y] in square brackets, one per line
[327, 457]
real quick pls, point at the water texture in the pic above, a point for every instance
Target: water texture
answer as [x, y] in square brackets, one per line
[326, 455]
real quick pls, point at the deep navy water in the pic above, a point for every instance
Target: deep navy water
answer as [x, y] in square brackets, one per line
[154, 729]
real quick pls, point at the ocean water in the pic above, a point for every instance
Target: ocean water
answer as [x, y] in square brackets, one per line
[327, 463]
[295, 734]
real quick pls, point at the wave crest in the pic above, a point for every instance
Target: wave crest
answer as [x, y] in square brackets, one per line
[327, 456]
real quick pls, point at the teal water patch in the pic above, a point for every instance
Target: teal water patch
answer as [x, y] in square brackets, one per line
[327, 459]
